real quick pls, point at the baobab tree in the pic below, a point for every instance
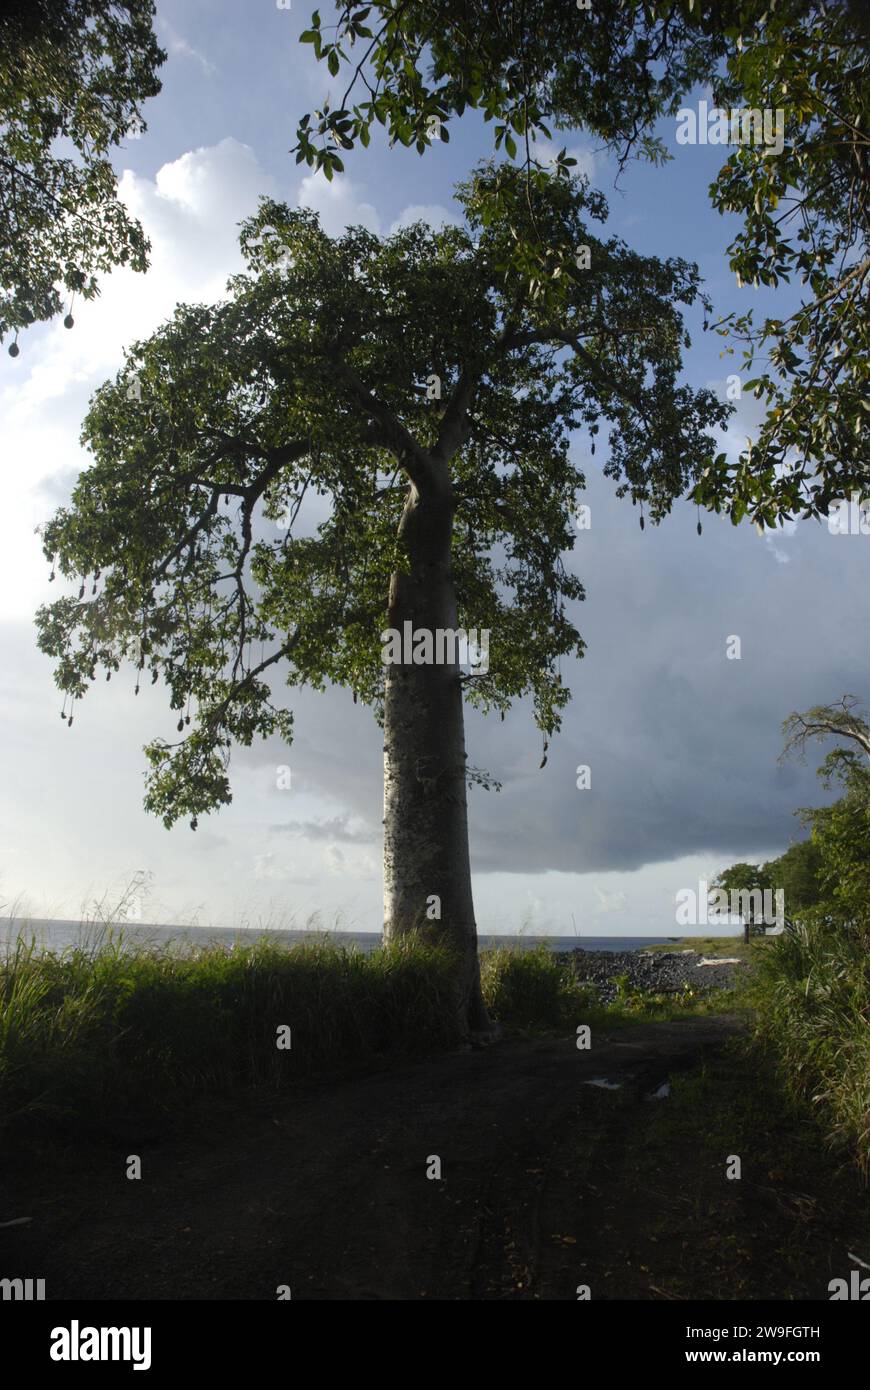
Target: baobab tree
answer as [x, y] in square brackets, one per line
[418, 388]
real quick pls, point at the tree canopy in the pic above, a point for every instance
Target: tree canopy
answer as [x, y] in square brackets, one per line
[843, 721]
[826, 877]
[805, 218]
[798, 873]
[73, 75]
[840, 832]
[360, 371]
[616, 69]
[747, 880]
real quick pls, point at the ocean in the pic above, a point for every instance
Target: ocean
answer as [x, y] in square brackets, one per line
[55, 935]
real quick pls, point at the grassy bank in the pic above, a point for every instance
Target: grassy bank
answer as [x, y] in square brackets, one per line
[810, 992]
[710, 946]
[99, 1034]
[532, 990]
[115, 1029]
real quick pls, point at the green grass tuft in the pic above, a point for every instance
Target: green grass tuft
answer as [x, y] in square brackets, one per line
[115, 1028]
[811, 994]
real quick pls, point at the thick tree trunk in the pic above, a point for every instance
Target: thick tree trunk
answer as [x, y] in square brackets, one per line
[427, 871]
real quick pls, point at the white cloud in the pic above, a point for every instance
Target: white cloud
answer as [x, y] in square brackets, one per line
[189, 211]
[178, 46]
[339, 204]
[433, 214]
[186, 50]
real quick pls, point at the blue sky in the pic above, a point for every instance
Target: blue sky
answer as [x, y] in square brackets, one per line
[682, 742]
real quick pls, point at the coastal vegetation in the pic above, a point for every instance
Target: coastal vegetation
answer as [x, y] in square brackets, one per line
[114, 1027]
[810, 993]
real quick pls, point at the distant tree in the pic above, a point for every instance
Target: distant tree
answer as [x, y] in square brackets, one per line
[798, 873]
[615, 69]
[73, 75]
[413, 383]
[750, 881]
[831, 870]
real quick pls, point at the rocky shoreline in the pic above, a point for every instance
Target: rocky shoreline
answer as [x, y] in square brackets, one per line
[654, 972]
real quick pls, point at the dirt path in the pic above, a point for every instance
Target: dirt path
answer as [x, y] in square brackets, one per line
[327, 1192]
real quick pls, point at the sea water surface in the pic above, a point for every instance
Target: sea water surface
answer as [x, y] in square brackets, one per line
[56, 935]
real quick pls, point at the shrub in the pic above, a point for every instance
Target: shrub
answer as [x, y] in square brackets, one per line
[811, 991]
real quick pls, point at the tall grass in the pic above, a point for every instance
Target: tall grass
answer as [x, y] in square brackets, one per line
[811, 993]
[112, 1027]
[531, 989]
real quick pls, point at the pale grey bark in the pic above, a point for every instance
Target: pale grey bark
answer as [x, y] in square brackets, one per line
[426, 853]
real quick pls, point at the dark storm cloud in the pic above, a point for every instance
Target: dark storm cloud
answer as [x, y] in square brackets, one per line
[682, 743]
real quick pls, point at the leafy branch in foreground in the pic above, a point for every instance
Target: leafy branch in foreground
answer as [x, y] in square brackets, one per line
[535, 66]
[74, 72]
